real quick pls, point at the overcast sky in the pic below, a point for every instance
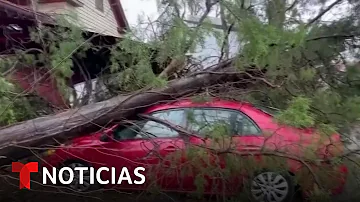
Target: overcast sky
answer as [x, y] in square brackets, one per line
[147, 8]
[134, 8]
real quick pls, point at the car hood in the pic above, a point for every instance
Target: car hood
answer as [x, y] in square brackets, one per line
[87, 140]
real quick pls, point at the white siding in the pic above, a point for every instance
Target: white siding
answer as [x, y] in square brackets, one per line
[80, 91]
[88, 17]
[210, 52]
[53, 8]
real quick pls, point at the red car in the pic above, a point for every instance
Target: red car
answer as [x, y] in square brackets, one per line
[252, 131]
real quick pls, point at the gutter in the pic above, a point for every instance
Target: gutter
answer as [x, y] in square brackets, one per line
[26, 13]
[119, 15]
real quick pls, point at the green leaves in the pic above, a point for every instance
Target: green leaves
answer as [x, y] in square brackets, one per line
[132, 62]
[5, 85]
[270, 47]
[297, 114]
[59, 44]
[307, 74]
[7, 113]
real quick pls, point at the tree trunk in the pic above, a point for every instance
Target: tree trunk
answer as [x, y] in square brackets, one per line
[16, 141]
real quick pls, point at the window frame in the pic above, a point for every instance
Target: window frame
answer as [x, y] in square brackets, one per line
[100, 9]
[186, 122]
[260, 132]
[144, 121]
[126, 126]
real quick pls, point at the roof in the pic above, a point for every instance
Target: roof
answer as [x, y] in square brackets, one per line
[214, 102]
[24, 12]
[263, 119]
[28, 13]
[119, 14]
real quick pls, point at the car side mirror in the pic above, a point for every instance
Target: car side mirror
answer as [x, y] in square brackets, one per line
[105, 138]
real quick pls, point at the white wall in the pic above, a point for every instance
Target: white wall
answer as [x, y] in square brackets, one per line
[211, 50]
[88, 17]
[53, 8]
[80, 91]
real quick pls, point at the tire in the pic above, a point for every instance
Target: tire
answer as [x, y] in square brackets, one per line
[270, 186]
[75, 186]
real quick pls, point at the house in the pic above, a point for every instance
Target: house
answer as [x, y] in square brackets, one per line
[98, 16]
[103, 17]
[210, 52]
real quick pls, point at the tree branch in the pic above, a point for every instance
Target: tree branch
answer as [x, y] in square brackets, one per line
[323, 13]
[226, 44]
[225, 49]
[183, 131]
[176, 62]
[331, 36]
[292, 6]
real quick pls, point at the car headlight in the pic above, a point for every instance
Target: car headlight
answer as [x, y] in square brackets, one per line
[49, 152]
[65, 144]
[52, 151]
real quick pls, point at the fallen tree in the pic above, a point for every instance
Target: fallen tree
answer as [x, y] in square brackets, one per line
[17, 141]
[299, 63]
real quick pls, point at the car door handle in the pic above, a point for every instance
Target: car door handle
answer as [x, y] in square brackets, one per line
[252, 148]
[170, 149]
[148, 157]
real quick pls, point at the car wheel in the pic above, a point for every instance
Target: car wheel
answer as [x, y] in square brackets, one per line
[75, 185]
[268, 186]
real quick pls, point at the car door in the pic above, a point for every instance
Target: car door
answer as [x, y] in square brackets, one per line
[122, 151]
[226, 131]
[150, 144]
[164, 149]
[213, 130]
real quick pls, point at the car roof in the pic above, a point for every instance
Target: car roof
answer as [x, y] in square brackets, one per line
[191, 103]
[264, 120]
